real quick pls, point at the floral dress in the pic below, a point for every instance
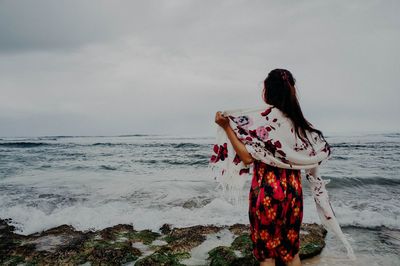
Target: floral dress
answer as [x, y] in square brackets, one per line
[275, 211]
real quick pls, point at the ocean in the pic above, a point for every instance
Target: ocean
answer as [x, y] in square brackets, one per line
[149, 180]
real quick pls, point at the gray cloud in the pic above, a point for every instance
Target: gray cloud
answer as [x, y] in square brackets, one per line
[116, 67]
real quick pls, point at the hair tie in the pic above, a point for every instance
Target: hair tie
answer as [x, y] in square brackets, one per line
[284, 75]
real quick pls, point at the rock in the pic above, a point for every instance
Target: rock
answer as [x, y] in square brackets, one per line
[111, 233]
[239, 229]
[195, 203]
[63, 245]
[58, 239]
[53, 243]
[165, 229]
[57, 244]
[312, 240]
[101, 252]
[120, 244]
[184, 239]
[190, 204]
[145, 236]
[8, 240]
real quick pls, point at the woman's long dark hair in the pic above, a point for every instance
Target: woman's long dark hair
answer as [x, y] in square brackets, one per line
[280, 92]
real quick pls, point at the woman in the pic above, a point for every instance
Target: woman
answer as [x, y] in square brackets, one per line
[275, 198]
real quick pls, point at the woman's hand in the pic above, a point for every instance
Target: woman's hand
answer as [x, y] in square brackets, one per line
[221, 120]
[238, 145]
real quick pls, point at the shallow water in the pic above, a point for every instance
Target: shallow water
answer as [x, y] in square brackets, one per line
[95, 182]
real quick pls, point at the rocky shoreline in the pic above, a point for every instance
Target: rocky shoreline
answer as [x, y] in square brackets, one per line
[123, 245]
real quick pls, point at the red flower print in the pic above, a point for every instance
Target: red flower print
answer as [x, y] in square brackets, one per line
[264, 235]
[287, 257]
[278, 192]
[281, 152]
[292, 235]
[266, 112]
[296, 211]
[273, 243]
[284, 254]
[271, 214]
[271, 177]
[261, 171]
[277, 221]
[268, 216]
[278, 144]
[254, 235]
[267, 201]
[284, 183]
[221, 152]
[244, 171]
[294, 183]
[237, 159]
[293, 202]
[262, 133]
[275, 147]
[216, 148]
[241, 130]
[253, 133]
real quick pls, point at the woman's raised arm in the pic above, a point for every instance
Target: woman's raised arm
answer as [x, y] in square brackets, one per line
[239, 147]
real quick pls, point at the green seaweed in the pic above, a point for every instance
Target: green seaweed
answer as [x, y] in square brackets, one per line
[243, 243]
[221, 256]
[182, 255]
[169, 238]
[110, 252]
[14, 260]
[99, 243]
[160, 259]
[310, 249]
[145, 236]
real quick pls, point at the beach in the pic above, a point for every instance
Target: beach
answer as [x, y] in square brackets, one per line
[93, 183]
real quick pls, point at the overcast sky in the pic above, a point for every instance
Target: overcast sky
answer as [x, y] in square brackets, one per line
[165, 67]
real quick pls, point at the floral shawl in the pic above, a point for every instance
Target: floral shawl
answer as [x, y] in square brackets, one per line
[269, 136]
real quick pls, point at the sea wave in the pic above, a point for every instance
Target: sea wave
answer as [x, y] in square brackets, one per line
[187, 161]
[182, 145]
[133, 135]
[368, 145]
[107, 167]
[339, 182]
[85, 215]
[371, 227]
[366, 219]
[23, 144]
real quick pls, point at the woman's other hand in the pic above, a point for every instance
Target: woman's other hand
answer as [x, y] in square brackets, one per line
[221, 120]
